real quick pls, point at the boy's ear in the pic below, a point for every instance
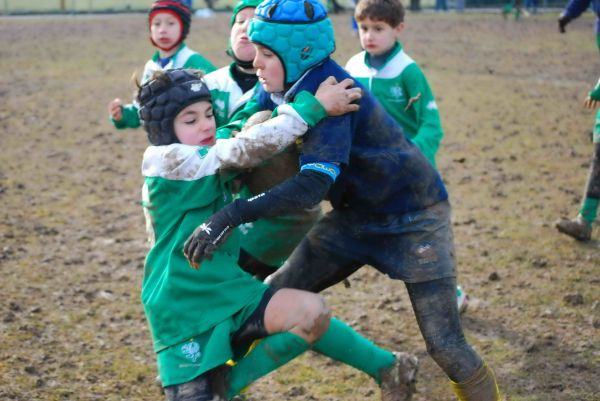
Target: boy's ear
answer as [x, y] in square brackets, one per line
[399, 28]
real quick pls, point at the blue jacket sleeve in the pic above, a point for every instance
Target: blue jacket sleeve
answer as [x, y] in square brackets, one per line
[302, 191]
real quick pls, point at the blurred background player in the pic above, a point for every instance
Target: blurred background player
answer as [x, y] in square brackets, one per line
[581, 226]
[169, 24]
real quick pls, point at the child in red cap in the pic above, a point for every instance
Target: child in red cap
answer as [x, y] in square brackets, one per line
[169, 24]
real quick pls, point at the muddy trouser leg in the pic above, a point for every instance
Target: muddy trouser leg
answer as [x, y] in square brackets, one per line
[438, 318]
[312, 267]
[317, 264]
[439, 321]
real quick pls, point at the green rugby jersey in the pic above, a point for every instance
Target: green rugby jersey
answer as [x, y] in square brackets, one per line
[183, 187]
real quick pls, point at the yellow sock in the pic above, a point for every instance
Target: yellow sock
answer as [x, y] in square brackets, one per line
[482, 386]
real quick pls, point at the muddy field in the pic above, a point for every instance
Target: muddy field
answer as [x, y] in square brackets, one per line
[515, 157]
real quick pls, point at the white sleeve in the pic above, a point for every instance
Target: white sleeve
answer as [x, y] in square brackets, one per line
[262, 141]
[247, 149]
[178, 162]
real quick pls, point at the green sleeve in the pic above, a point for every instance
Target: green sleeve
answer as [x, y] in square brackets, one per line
[429, 127]
[199, 63]
[595, 93]
[305, 104]
[309, 108]
[130, 118]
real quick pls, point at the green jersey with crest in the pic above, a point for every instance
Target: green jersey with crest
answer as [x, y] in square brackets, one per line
[184, 186]
[192, 312]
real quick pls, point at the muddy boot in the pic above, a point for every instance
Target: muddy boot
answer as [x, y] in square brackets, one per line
[481, 386]
[398, 381]
[577, 228]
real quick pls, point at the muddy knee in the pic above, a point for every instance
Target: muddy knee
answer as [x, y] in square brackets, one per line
[316, 318]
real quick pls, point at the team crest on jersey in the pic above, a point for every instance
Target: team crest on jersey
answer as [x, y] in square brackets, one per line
[191, 351]
[432, 105]
[397, 93]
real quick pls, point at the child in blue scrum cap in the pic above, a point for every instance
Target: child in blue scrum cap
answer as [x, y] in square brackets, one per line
[265, 244]
[390, 207]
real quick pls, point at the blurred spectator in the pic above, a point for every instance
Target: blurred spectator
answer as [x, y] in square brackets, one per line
[531, 6]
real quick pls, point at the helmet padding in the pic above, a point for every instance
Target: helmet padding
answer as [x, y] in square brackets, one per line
[164, 96]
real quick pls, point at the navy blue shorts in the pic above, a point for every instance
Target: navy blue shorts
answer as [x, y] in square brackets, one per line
[414, 247]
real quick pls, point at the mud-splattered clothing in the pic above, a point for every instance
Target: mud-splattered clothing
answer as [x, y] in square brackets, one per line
[385, 185]
[269, 241]
[401, 87]
[185, 185]
[414, 247]
[381, 171]
[184, 57]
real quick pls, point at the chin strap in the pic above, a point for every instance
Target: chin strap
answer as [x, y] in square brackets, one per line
[238, 62]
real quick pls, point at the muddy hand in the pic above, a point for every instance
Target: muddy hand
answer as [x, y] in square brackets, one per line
[338, 98]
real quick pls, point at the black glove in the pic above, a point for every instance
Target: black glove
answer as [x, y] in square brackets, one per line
[562, 23]
[210, 235]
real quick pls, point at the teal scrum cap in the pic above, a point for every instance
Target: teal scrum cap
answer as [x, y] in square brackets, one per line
[298, 31]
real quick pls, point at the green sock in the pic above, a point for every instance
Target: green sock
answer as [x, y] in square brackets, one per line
[270, 353]
[598, 41]
[342, 343]
[589, 209]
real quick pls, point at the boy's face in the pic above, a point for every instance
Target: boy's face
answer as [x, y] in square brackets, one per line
[240, 44]
[195, 125]
[269, 69]
[377, 37]
[165, 30]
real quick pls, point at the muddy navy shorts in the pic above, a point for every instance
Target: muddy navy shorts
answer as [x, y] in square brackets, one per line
[413, 247]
